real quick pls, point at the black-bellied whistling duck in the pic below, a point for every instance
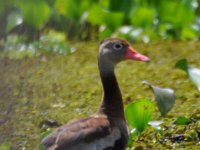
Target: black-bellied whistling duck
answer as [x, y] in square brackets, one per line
[107, 129]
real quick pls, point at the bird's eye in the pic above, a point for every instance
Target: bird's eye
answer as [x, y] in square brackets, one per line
[117, 46]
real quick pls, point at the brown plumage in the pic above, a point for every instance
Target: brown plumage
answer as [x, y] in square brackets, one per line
[107, 129]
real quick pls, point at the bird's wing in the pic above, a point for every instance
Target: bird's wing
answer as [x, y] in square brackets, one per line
[79, 132]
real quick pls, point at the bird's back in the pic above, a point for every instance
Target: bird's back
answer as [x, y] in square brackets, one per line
[93, 133]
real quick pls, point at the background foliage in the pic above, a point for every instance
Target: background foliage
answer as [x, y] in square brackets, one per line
[137, 20]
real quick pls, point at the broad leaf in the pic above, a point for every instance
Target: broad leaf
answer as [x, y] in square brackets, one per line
[182, 120]
[188, 33]
[35, 12]
[139, 113]
[174, 12]
[143, 17]
[68, 8]
[164, 97]
[104, 32]
[182, 64]
[111, 19]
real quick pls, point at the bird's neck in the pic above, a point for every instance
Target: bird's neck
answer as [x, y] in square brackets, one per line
[112, 104]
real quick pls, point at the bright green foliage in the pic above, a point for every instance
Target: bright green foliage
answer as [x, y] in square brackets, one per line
[143, 17]
[175, 12]
[105, 32]
[168, 19]
[99, 16]
[188, 33]
[35, 12]
[68, 8]
[139, 113]
[172, 16]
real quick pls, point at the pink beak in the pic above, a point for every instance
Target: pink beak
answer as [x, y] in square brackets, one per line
[134, 55]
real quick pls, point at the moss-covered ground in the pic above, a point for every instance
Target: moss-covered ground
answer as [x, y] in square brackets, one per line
[40, 92]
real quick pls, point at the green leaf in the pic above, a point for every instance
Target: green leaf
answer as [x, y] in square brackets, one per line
[139, 113]
[113, 19]
[35, 12]
[164, 97]
[92, 15]
[68, 8]
[174, 12]
[110, 19]
[182, 121]
[143, 16]
[188, 33]
[156, 125]
[123, 6]
[104, 32]
[182, 64]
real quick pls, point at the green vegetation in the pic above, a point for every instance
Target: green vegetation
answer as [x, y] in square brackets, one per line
[137, 20]
[139, 113]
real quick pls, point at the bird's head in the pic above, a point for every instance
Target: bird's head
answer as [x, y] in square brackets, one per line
[116, 50]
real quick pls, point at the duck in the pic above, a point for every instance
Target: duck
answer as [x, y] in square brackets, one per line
[107, 129]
